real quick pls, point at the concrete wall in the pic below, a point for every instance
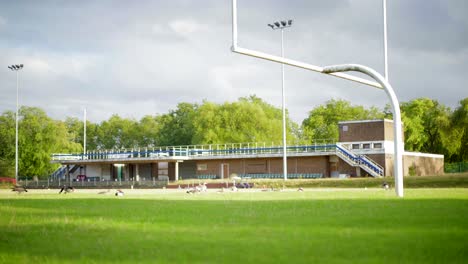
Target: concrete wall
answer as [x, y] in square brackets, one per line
[94, 170]
[388, 128]
[422, 164]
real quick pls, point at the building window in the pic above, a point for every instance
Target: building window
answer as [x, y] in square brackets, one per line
[366, 146]
[355, 146]
[345, 128]
[202, 167]
[377, 145]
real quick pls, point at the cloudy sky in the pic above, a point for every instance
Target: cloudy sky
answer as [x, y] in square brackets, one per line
[135, 58]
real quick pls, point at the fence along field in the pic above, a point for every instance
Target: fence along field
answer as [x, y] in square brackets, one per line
[457, 167]
[440, 181]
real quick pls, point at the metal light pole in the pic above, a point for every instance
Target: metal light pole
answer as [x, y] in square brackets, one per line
[385, 38]
[282, 25]
[16, 68]
[84, 134]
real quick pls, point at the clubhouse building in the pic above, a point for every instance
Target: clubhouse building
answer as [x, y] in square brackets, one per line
[365, 148]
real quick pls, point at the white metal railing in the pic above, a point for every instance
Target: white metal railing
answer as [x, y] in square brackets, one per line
[375, 167]
[361, 161]
[229, 149]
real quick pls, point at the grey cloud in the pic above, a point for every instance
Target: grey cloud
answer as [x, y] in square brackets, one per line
[138, 58]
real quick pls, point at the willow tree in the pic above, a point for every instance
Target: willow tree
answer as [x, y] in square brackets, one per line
[322, 122]
[38, 136]
[250, 119]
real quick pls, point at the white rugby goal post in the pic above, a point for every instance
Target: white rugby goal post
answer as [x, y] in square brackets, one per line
[337, 71]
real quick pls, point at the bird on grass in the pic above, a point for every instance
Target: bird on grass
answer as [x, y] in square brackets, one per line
[67, 189]
[104, 192]
[19, 189]
[385, 186]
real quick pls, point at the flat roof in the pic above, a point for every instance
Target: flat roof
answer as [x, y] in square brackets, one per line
[365, 121]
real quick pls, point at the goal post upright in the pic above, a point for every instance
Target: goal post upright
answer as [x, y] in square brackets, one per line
[337, 71]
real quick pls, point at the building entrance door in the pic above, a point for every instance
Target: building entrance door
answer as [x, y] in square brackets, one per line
[224, 170]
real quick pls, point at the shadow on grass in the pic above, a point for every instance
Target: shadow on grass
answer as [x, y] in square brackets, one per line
[228, 231]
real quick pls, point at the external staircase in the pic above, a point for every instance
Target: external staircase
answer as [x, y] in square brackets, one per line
[62, 171]
[361, 161]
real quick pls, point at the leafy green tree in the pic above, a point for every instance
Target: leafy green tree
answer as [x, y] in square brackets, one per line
[39, 137]
[322, 122]
[177, 126]
[426, 123]
[7, 143]
[250, 119]
[117, 133]
[76, 130]
[149, 129]
[459, 139]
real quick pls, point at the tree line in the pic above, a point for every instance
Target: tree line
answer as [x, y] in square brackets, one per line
[429, 126]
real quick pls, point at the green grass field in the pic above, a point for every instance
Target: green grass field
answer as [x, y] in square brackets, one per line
[453, 180]
[169, 226]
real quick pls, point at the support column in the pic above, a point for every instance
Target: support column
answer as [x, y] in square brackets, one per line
[176, 171]
[358, 171]
[137, 172]
[68, 174]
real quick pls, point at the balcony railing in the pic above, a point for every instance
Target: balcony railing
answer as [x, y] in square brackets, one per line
[234, 149]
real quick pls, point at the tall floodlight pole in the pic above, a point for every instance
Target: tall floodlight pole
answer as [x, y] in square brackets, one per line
[84, 133]
[282, 25]
[337, 71]
[385, 38]
[16, 68]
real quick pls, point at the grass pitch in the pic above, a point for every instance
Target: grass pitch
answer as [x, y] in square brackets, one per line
[314, 226]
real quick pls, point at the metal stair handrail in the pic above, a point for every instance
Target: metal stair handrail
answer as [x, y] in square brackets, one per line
[375, 166]
[362, 161]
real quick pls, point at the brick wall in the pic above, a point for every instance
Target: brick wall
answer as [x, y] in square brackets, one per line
[318, 164]
[375, 130]
[366, 131]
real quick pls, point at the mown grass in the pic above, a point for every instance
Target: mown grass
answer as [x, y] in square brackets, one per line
[315, 226]
[459, 180]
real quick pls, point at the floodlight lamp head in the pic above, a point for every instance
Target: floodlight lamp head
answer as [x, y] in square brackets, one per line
[272, 26]
[290, 22]
[277, 24]
[283, 23]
